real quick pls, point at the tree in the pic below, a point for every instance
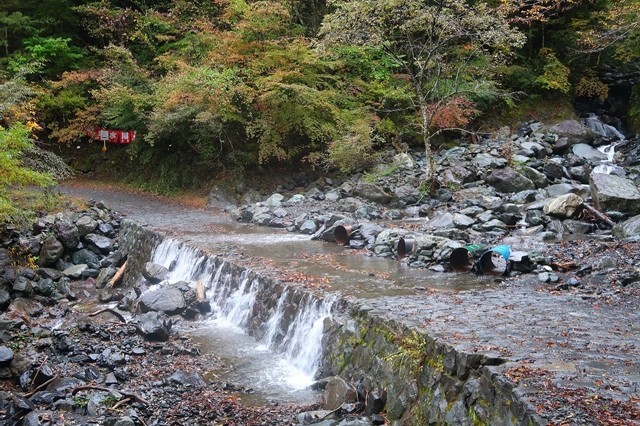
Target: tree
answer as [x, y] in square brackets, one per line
[446, 48]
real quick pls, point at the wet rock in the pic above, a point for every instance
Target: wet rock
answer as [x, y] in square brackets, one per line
[154, 326]
[611, 192]
[274, 201]
[565, 206]
[337, 392]
[104, 276]
[27, 307]
[308, 227]
[5, 299]
[188, 379]
[442, 220]
[508, 180]
[154, 273]
[75, 271]
[107, 230]
[84, 256]
[99, 243]
[486, 161]
[51, 251]
[553, 169]
[539, 179]
[167, 299]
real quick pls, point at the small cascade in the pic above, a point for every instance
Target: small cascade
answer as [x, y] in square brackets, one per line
[609, 133]
[303, 342]
[234, 295]
[605, 130]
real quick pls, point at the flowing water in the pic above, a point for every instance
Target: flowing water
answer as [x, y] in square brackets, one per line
[609, 133]
[283, 363]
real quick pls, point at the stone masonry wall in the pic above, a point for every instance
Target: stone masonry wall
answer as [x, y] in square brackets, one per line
[418, 379]
[422, 381]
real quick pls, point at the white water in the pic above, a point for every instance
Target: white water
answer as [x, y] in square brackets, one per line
[610, 133]
[290, 356]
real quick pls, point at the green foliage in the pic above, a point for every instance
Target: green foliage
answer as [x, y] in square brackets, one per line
[13, 142]
[445, 49]
[50, 56]
[555, 75]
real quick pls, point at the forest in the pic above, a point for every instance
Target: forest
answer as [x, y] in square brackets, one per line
[198, 88]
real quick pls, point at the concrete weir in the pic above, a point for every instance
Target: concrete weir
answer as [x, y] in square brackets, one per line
[411, 376]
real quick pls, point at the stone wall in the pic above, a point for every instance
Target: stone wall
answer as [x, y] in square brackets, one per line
[421, 380]
[412, 377]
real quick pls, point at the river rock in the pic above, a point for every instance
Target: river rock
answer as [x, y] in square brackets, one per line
[75, 271]
[628, 228]
[51, 251]
[565, 206]
[154, 273]
[87, 257]
[337, 392]
[441, 220]
[553, 169]
[372, 192]
[508, 180]
[154, 326]
[67, 233]
[611, 192]
[167, 299]
[539, 179]
[573, 130]
[274, 201]
[185, 378]
[26, 307]
[99, 243]
[404, 161]
[86, 225]
[486, 161]
[588, 152]
[6, 356]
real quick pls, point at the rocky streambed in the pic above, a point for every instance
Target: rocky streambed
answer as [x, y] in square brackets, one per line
[557, 335]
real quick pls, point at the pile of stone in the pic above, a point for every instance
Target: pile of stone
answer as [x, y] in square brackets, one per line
[537, 184]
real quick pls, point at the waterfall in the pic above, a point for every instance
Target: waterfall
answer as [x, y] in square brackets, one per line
[610, 133]
[233, 296]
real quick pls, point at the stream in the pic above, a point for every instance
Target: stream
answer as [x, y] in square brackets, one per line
[277, 368]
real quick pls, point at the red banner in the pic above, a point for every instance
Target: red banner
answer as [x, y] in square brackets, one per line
[111, 136]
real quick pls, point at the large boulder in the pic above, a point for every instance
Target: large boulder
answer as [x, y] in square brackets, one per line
[565, 206]
[372, 192]
[167, 299]
[154, 326]
[573, 130]
[154, 273]
[613, 193]
[588, 152]
[508, 180]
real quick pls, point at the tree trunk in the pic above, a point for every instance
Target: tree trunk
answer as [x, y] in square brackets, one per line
[429, 162]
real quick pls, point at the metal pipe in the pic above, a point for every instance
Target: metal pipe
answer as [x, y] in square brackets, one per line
[342, 234]
[405, 247]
